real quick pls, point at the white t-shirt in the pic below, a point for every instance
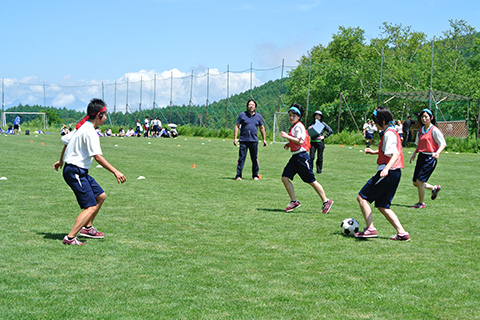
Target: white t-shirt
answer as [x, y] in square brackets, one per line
[389, 146]
[82, 145]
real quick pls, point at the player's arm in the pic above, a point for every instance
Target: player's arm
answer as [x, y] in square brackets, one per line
[391, 162]
[296, 140]
[235, 134]
[262, 131]
[370, 151]
[59, 164]
[440, 140]
[104, 163]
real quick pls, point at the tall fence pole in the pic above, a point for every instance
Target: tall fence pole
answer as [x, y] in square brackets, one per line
[140, 103]
[44, 97]
[208, 91]
[171, 96]
[228, 94]
[154, 92]
[3, 102]
[115, 103]
[281, 86]
[251, 80]
[308, 90]
[478, 119]
[431, 81]
[191, 92]
[126, 101]
[380, 83]
[341, 93]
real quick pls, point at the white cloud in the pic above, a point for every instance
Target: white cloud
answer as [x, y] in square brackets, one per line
[144, 88]
[63, 99]
[269, 54]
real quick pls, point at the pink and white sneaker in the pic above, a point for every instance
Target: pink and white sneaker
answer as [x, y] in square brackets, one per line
[74, 241]
[405, 237]
[327, 205]
[367, 233]
[91, 233]
[292, 205]
[419, 205]
[435, 192]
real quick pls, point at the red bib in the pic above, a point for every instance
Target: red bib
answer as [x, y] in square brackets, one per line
[383, 159]
[306, 143]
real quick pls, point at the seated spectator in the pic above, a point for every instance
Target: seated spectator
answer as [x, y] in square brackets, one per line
[164, 133]
[121, 132]
[99, 131]
[10, 130]
[108, 132]
[130, 132]
[173, 133]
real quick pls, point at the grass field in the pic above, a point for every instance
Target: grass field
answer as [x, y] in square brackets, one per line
[192, 243]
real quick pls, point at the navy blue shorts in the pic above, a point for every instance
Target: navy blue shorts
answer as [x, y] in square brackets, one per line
[86, 189]
[368, 136]
[424, 167]
[300, 164]
[381, 190]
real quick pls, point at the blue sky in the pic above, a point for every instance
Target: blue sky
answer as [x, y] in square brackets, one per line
[72, 45]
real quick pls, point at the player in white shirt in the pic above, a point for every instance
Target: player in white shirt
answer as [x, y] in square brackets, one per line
[81, 147]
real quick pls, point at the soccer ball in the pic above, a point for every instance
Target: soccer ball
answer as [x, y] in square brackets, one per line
[349, 226]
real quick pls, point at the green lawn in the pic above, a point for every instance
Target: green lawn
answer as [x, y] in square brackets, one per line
[192, 243]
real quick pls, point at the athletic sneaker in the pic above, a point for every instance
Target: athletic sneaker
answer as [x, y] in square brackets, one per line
[405, 237]
[367, 233]
[435, 192]
[74, 241]
[91, 233]
[327, 205]
[419, 205]
[292, 205]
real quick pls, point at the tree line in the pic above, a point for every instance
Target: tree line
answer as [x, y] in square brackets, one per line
[345, 79]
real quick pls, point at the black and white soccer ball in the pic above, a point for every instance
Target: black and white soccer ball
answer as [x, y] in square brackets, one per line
[349, 227]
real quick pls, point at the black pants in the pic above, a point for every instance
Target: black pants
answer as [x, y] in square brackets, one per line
[317, 147]
[242, 154]
[406, 137]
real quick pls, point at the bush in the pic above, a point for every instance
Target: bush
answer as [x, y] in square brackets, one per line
[347, 138]
[188, 130]
[469, 144]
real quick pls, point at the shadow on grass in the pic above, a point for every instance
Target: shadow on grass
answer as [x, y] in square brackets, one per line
[401, 205]
[52, 236]
[272, 210]
[358, 239]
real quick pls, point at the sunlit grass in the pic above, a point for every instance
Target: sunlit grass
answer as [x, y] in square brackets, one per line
[193, 243]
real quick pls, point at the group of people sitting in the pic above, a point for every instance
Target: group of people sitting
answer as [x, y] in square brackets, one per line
[9, 130]
[164, 133]
[151, 128]
[161, 133]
